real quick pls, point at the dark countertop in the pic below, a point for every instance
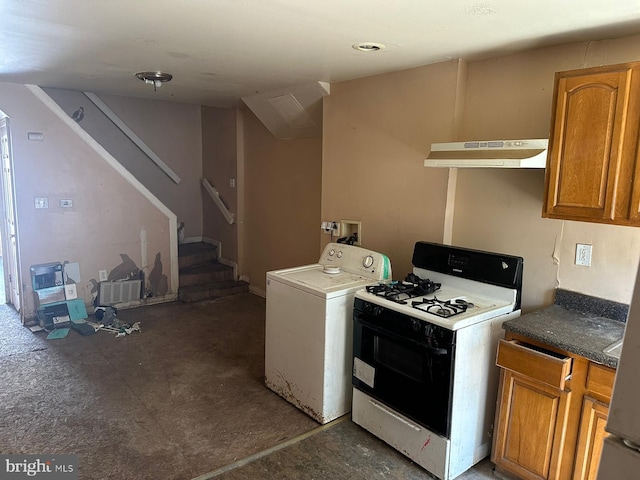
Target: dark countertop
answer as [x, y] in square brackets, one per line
[564, 326]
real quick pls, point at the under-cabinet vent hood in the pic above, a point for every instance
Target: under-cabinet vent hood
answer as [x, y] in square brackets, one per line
[489, 154]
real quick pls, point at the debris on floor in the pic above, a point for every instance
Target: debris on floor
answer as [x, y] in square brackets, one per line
[106, 320]
[109, 322]
[58, 333]
[83, 327]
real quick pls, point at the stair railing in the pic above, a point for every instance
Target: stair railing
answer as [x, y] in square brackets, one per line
[215, 196]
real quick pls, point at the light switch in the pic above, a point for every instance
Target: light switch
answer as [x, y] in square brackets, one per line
[35, 136]
[66, 203]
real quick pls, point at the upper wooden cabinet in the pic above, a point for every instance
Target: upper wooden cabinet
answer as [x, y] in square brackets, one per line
[592, 169]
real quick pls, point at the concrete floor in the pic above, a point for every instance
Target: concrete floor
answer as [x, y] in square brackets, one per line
[183, 399]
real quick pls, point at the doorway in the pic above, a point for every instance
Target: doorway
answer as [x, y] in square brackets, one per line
[8, 227]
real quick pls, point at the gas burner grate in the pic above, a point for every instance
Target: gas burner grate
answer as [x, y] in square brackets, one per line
[413, 286]
[444, 309]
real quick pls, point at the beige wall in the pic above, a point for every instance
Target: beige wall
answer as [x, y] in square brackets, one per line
[282, 201]
[109, 217]
[377, 132]
[500, 210]
[220, 164]
[173, 131]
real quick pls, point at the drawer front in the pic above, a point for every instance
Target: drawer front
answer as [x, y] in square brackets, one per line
[600, 380]
[546, 367]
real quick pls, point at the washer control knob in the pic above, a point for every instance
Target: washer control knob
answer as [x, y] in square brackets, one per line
[339, 254]
[332, 252]
[367, 262]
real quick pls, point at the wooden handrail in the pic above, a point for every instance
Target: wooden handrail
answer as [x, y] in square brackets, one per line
[215, 196]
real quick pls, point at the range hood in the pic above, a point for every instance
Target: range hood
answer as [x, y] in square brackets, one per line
[530, 153]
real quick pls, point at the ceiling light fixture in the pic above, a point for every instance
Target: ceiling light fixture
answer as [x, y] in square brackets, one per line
[154, 78]
[368, 46]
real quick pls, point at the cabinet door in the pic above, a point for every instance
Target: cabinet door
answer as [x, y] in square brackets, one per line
[591, 167]
[532, 422]
[590, 441]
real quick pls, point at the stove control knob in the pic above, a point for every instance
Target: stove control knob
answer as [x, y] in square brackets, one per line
[416, 325]
[332, 252]
[367, 262]
[373, 309]
[339, 255]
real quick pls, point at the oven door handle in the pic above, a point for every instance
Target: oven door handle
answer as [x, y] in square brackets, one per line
[394, 415]
[388, 333]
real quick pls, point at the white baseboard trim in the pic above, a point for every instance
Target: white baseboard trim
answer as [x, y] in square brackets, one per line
[257, 291]
[192, 240]
[169, 297]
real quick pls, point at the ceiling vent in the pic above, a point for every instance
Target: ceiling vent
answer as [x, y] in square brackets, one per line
[294, 112]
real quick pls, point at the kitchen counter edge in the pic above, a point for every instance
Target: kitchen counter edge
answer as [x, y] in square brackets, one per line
[581, 333]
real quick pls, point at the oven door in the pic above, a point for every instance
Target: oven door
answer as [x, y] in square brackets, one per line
[397, 363]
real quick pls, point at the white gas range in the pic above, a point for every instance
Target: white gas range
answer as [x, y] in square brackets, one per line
[424, 372]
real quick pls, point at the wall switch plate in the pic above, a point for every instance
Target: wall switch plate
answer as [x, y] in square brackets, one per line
[232, 183]
[103, 275]
[583, 254]
[42, 202]
[66, 203]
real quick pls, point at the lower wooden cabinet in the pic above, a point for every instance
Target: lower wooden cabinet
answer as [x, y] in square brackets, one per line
[532, 423]
[551, 414]
[590, 439]
[532, 414]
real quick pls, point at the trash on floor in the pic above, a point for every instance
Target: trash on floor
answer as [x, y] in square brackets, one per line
[82, 327]
[110, 323]
[58, 333]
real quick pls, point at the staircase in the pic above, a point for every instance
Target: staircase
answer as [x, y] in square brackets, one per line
[202, 277]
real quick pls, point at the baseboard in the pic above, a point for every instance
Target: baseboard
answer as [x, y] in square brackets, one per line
[170, 297]
[193, 240]
[257, 291]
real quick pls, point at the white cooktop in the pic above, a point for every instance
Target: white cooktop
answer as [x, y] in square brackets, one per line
[488, 301]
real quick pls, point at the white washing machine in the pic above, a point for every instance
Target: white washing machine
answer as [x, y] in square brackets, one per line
[309, 328]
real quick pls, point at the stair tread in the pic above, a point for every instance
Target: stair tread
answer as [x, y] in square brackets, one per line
[205, 267]
[215, 285]
[186, 249]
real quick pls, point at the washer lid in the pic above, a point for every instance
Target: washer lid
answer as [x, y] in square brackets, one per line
[314, 277]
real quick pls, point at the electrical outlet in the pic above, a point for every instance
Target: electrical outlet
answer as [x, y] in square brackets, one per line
[103, 275]
[583, 254]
